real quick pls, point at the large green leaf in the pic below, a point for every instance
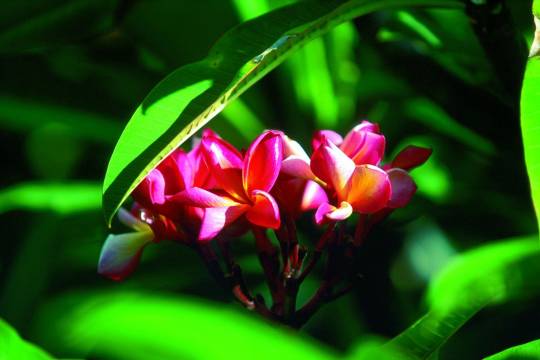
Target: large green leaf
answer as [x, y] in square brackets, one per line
[34, 25]
[491, 274]
[530, 114]
[13, 347]
[132, 326]
[191, 96]
[530, 350]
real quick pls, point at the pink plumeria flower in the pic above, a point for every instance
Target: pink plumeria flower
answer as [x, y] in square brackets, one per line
[155, 217]
[244, 184]
[364, 189]
[363, 144]
[121, 253]
[296, 189]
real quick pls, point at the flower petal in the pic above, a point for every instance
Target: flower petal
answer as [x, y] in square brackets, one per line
[313, 196]
[403, 188]
[265, 211]
[372, 150]
[369, 189]
[262, 162]
[177, 171]
[331, 165]
[411, 157]
[298, 167]
[327, 213]
[292, 147]
[200, 198]
[215, 219]
[225, 164]
[318, 136]
[121, 253]
[151, 191]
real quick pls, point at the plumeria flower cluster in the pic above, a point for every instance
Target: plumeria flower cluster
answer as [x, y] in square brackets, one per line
[214, 193]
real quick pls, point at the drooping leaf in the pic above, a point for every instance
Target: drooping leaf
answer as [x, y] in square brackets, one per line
[13, 347]
[192, 95]
[487, 275]
[530, 114]
[132, 326]
[62, 198]
[35, 25]
[530, 350]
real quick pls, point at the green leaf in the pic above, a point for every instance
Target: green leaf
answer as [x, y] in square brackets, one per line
[191, 96]
[35, 26]
[487, 275]
[62, 198]
[13, 347]
[530, 350]
[132, 326]
[530, 115]
[25, 115]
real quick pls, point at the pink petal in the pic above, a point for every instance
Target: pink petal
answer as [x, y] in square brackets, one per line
[225, 164]
[411, 157]
[367, 126]
[318, 136]
[331, 165]
[265, 211]
[327, 213]
[177, 171]
[293, 148]
[298, 167]
[313, 196]
[364, 147]
[262, 162]
[200, 198]
[403, 188]
[369, 189]
[220, 153]
[215, 219]
[121, 253]
[151, 191]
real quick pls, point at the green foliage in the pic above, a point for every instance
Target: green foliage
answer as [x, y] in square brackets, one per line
[168, 328]
[192, 95]
[484, 276]
[530, 350]
[530, 113]
[62, 198]
[13, 347]
[32, 25]
[73, 71]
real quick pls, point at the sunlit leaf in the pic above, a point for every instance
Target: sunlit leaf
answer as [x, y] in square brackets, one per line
[62, 198]
[142, 326]
[34, 26]
[530, 350]
[530, 114]
[192, 95]
[491, 274]
[13, 347]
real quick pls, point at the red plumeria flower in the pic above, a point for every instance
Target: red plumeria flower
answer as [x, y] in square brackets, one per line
[363, 144]
[363, 188]
[155, 217]
[121, 253]
[244, 184]
[297, 193]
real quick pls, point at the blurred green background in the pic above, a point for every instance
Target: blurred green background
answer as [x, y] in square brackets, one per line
[73, 72]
